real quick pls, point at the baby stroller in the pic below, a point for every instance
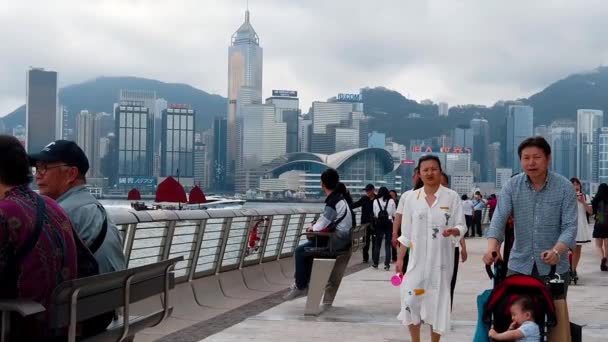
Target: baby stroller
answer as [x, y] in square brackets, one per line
[497, 311]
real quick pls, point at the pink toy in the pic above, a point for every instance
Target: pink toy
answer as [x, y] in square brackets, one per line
[396, 279]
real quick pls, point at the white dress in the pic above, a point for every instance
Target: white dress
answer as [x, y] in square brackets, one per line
[431, 261]
[583, 233]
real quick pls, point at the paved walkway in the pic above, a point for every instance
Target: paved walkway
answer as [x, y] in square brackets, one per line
[367, 304]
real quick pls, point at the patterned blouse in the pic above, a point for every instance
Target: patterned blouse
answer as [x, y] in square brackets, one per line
[53, 258]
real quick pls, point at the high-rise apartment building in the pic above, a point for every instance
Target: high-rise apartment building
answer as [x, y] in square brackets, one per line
[287, 108]
[177, 146]
[520, 120]
[562, 135]
[264, 139]
[245, 60]
[304, 134]
[462, 136]
[41, 109]
[588, 122]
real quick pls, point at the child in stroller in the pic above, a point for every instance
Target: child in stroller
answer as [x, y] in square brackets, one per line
[523, 328]
[498, 310]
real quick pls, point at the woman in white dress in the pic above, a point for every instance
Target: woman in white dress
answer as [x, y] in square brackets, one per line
[583, 235]
[432, 224]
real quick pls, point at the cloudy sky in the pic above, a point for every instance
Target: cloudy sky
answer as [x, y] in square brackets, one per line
[459, 51]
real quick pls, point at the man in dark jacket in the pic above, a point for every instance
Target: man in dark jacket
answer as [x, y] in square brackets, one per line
[367, 216]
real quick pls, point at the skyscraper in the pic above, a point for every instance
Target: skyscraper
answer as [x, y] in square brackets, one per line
[244, 70]
[481, 140]
[519, 127]
[324, 115]
[588, 122]
[494, 160]
[443, 109]
[602, 154]
[177, 147]
[563, 147]
[462, 136]
[148, 98]
[287, 108]
[220, 153]
[133, 148]
[85, 125]
[40, 109]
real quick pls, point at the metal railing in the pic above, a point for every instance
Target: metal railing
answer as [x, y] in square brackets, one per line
[211, 241]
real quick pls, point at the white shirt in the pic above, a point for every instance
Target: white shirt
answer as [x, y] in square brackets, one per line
[467, 207]
[390, 208]
[402, 201]
[431, 262]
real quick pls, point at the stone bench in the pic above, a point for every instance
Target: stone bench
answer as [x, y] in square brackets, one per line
[328, 270]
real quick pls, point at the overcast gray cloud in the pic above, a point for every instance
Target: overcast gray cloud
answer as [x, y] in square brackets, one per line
[465, 51]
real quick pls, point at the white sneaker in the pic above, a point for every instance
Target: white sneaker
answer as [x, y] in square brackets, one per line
[295, 293]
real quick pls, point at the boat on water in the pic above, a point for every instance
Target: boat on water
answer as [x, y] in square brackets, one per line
[170, 195]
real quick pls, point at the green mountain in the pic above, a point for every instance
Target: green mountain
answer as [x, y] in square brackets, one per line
[100, 94]
[390, 110]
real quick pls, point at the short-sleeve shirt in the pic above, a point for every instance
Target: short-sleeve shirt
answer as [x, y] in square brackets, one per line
[530, 331]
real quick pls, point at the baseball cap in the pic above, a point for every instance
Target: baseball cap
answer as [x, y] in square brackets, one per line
[64, 151]
[369, 187]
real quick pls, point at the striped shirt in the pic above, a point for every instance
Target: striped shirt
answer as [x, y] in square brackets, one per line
[541, 219]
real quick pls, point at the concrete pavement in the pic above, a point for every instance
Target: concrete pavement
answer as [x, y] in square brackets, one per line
[366, 306]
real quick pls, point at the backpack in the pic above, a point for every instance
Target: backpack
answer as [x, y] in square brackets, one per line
[383, 221]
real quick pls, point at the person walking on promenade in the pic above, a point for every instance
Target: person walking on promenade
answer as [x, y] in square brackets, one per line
[478, 206]
[395, 198]
[600, 229]
[583, 235]
[432, 225]
[491, 206]
[467, 208]
[543, 205]
[366, 203]
[384, 212]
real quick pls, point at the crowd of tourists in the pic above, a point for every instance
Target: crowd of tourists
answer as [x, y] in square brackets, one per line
[423, 234]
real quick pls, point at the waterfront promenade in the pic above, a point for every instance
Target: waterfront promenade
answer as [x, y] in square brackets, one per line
[366, 306]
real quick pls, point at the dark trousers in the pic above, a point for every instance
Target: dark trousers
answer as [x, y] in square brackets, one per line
[454, 275]
[385, 235]
[303, 265]
[476, 223]
[469, 220]
[370, 239]
[393, 253]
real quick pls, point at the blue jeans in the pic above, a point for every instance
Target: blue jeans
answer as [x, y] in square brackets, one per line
[303, 265]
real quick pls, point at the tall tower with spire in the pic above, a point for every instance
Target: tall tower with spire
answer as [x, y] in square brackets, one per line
[245, 61]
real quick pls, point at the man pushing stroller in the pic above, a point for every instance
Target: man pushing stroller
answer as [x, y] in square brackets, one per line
[544, 210]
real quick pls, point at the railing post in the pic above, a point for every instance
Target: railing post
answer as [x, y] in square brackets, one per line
[283, 235]
[225, 234]
[129, 239]
[168, 240]
[266, 235]
[300, 230]
[196, 250]
[248, 229]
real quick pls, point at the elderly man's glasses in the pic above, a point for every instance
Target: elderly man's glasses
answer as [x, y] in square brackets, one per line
[42, 169]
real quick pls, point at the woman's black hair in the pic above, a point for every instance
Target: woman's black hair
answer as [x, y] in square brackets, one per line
[419, 184]
[383, 193]
[341, 188]
[464, 197]
[14, 163]
[443, 174]
[430, 157]
[575, 180]
[600, 196]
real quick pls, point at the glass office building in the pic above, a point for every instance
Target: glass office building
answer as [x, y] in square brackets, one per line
[134, 140]
[177, 147]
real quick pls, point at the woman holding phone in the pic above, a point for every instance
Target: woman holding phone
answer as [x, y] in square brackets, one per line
[582, 235]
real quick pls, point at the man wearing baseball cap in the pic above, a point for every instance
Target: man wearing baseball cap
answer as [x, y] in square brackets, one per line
[61, 169]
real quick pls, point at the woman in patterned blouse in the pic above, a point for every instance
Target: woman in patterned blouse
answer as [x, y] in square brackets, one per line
[51, 256]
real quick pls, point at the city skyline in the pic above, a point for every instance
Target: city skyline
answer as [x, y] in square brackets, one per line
[414, 64]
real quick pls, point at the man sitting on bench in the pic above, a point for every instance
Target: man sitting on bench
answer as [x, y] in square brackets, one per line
[336, 218]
